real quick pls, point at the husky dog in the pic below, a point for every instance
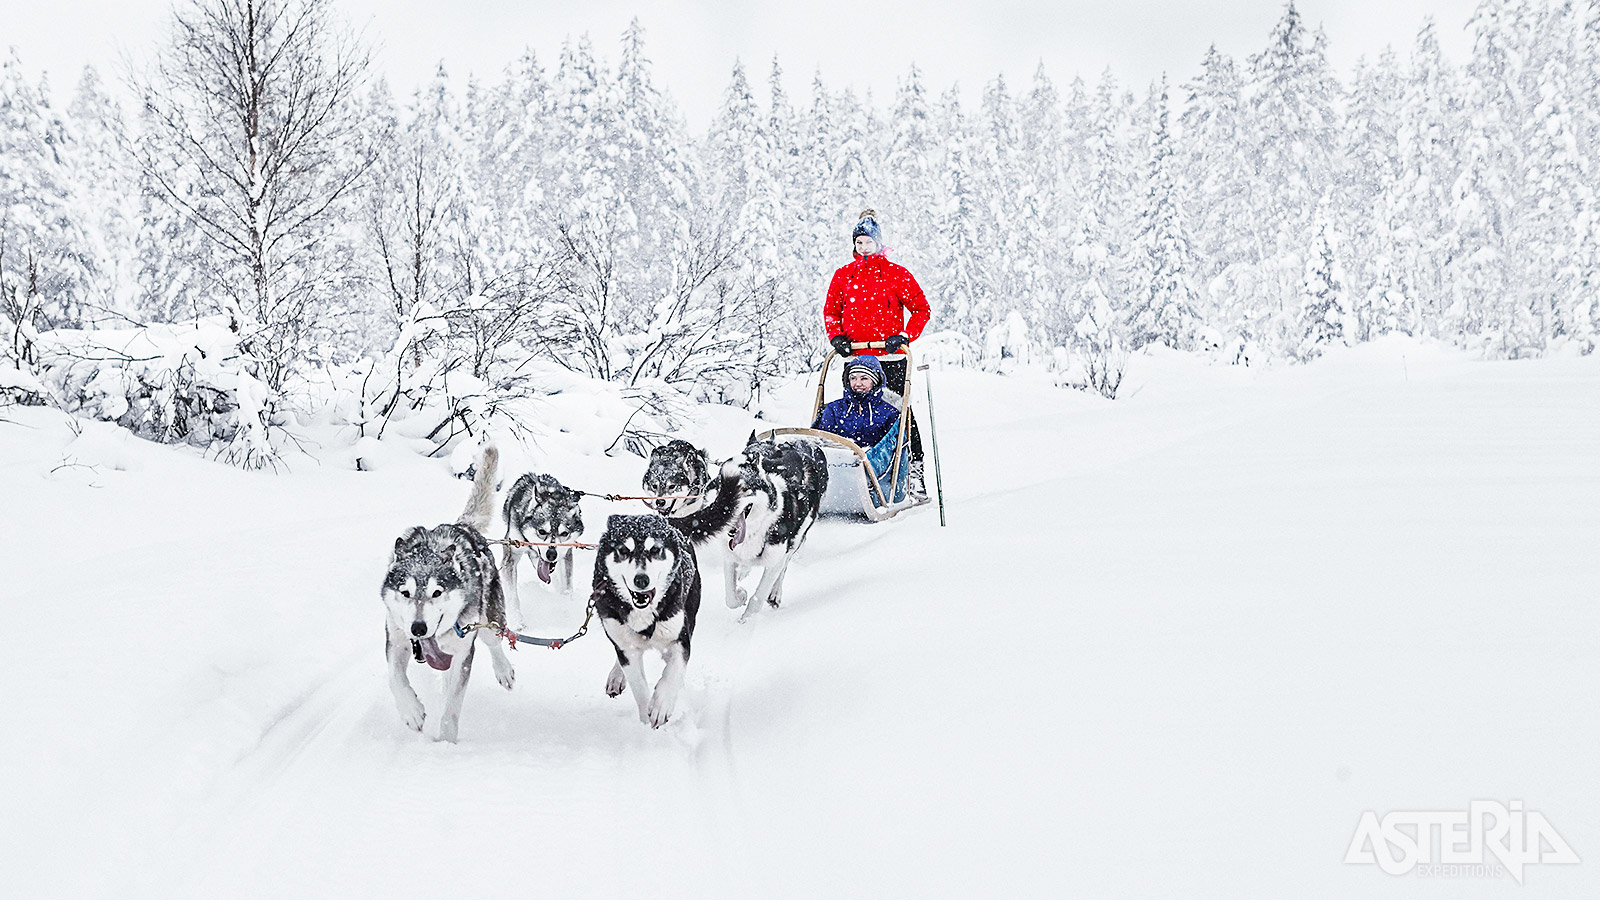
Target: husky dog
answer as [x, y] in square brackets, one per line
[437, 578]
[772, 491]
[646, 592]
[678, 469]
[542, 509]
[778, 489]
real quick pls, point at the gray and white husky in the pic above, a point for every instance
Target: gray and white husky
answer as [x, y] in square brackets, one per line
[647, 593]
[439, 578]
[540, 508]
[756, 511]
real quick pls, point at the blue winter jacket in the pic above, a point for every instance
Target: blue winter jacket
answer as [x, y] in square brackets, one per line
[863, 418]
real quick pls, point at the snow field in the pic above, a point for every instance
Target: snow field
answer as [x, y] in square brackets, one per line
[1172, 645]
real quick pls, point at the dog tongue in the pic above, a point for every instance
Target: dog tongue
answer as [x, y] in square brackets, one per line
[545, 568]
[437, 658]
[738, 531]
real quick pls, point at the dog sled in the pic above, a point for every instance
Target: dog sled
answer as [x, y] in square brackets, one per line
[853, 487]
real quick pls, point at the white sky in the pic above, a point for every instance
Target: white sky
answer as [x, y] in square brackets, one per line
[693, 43]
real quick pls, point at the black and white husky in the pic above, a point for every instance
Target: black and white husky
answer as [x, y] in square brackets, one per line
[678, 470]
[646, 593]
[542, 509]
[439, 578]
[757, 511]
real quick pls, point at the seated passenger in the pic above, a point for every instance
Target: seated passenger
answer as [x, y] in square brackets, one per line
[863, 416]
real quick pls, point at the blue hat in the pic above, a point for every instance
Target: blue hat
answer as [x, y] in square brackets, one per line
[868, 225]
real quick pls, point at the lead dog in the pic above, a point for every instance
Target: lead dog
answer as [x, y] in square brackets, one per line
[646, 593]
[439, 578]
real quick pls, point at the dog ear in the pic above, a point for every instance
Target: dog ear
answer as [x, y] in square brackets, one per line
[410, 537]
[752, 439]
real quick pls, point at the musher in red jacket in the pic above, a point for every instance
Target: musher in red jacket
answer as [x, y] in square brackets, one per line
[868, 300]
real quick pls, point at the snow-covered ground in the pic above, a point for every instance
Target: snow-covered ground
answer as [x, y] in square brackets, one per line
[1171, 646]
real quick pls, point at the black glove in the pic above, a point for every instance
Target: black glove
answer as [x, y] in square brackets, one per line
[894, 343]
[841, 344]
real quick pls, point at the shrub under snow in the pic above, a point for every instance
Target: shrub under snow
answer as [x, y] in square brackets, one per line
[175, 383]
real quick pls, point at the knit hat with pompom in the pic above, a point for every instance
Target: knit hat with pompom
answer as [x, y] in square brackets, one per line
[867, 224]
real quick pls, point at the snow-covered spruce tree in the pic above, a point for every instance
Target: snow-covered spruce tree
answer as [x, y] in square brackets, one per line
[654, 164]
[1324, 309]
[1044, 204]
[1586, 76]
[649, 286]
[910, 200]
[106, 195]
[509, 174]
[1215, 179]
[591, 232]
[1293, 137]
[1483, 300]
[955, 279]
[1557, 198]
[175, 263]
[792, 340]
[45, 253]
[1163, 300]
[749, 197]
[1000, 223]
[255, 136]
[857, 161]
[738, 157]
[1364, 193]
[820, 246]
[1431, 133]
[1115, 179]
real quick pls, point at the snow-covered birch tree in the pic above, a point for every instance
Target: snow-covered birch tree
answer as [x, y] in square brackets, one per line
[254, 136]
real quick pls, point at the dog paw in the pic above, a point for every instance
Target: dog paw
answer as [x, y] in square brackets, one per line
[737, 598]
[411, 712]
[660, 711]
[507, 677]
[616, 682]
[449, 730]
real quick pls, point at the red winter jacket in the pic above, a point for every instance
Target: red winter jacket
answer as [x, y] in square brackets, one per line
[868, 300]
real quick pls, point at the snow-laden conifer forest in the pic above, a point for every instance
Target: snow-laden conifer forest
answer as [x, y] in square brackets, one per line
[1265, 497]
[260, 228]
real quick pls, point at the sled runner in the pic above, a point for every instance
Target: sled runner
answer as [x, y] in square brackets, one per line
[852, 485]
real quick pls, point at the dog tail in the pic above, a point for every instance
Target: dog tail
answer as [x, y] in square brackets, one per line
[480, 506]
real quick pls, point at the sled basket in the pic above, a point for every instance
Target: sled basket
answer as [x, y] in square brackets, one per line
[853, 487]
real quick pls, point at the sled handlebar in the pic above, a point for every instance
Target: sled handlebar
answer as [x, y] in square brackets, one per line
[868, 345]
